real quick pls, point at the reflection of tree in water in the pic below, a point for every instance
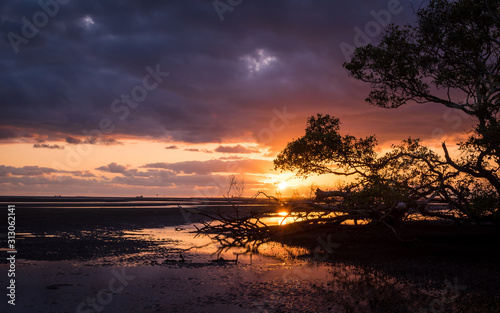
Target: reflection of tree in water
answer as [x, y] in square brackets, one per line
[239, 228]
[350, 288]
[249, 241]
[236, 232]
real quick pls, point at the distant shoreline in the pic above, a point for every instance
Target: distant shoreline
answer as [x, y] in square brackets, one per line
[101, 199]
[127, 202]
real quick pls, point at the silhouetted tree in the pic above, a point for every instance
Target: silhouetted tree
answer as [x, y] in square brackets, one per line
[385, 188]
[450, 58]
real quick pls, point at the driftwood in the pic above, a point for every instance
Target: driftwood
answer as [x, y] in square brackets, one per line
[238, 228]
[246, 229]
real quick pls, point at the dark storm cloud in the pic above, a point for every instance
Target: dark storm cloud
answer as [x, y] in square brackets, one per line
[224, 79]
[6, 133]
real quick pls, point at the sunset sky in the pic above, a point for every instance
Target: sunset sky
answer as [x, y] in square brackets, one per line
[126, 98]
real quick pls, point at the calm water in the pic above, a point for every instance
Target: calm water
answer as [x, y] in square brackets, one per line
[174, 268]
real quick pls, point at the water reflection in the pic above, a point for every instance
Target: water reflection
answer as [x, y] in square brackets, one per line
[283, 218]
[206, 247]
[268, 275]
[292, 276]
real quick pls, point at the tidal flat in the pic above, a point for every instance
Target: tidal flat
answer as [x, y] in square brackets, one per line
[152, 260]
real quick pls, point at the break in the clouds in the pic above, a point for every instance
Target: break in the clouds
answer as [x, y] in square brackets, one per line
[173, 71]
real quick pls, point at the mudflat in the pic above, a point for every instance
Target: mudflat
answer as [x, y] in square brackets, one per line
[149, 260]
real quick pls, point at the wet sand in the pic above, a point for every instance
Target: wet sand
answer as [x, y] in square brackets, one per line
[67, 259]
[136, 260]
[70, 287]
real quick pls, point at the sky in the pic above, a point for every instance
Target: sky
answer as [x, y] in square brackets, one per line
[170, 98]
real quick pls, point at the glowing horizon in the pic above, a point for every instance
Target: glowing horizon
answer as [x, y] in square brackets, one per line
[155, 110]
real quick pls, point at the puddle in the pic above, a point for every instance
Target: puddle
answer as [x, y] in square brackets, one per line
[175, 271]
[201, 248]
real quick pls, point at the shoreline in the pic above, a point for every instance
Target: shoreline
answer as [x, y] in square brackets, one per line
[70, 255]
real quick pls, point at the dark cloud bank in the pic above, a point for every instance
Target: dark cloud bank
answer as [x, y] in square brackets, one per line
[173, 71]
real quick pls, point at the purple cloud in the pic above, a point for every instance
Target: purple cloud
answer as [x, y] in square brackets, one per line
[47, 146]
[235, 149]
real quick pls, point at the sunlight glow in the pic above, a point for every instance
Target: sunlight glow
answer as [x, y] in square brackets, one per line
[283, 213]
[282, 185]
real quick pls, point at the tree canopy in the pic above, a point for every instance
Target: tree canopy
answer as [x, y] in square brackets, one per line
[450, 58]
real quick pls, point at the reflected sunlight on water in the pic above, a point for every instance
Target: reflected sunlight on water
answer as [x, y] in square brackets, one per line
[277, 278]
[289, 271]
[201, 248]
[283, 218]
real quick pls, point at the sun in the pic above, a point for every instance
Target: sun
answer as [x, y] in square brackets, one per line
[282, 185]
